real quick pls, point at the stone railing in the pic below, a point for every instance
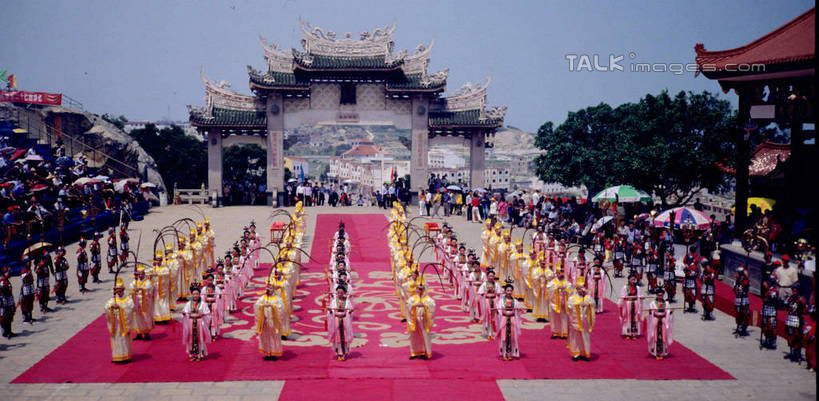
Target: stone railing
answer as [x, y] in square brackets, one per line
[190, 196]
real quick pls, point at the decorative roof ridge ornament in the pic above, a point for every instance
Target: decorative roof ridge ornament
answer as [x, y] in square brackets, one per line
[319, 41]
[496, 112]
[469, 97]
[277, 60]
[435, 78]
[219, 94]
[417, 61]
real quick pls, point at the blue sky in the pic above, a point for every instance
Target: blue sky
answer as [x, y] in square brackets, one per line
[142, 58]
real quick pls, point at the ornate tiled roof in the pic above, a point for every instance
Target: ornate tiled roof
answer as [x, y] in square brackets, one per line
[276, 79]
[219, 117]
[418, 81]
[464, 118]
[793, 42]
[322, 62]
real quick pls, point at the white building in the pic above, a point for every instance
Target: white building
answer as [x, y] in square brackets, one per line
[444, 158]
[496, 175]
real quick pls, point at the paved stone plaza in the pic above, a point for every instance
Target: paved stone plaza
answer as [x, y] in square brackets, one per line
[759, 374]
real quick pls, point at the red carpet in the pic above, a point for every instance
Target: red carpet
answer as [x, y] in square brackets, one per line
[468, 363]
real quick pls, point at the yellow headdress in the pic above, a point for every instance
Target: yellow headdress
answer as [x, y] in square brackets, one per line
[198, 224]
[506, 233]
[193, 231]
[119, 283]
[158, 254]
[518, 242]
[140, 269]
[168, 248]
[498, 226]
[207, 220]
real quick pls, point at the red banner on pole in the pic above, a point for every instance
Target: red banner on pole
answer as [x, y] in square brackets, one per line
[54, 99]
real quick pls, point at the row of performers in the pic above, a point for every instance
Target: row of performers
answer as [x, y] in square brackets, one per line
[642, 259]
[338, 303]
[547, 290]
[194, 254]
[273, 310]
[208, 294]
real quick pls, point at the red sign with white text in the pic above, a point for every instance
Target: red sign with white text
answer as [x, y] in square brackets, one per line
[54, 99]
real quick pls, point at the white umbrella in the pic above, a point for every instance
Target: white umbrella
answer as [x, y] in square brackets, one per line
[33, 158]
[603, 220]
[148, 185]
[119, 186]
[454, 188]
[481, 190]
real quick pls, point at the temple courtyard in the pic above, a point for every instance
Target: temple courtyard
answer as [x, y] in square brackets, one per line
[65, 355]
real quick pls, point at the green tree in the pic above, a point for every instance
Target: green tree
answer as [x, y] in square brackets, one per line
[245, 162]
[666, 146]
[182, 160]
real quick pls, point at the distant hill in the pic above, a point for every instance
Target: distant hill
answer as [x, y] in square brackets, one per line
[335, 139]
[513, 140]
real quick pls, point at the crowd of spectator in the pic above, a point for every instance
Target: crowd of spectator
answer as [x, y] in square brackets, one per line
[44, 191]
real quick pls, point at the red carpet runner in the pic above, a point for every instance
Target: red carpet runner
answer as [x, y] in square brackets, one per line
[463, 365]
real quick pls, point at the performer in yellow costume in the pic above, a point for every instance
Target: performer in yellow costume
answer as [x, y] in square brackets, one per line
[421, 314]
[581, 311]
[270, 314]
[119, 313]
[163, 288]
[142, 292]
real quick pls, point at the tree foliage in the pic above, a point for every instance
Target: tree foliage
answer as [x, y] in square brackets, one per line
[245, 163]
[665, 145]
[182, 160]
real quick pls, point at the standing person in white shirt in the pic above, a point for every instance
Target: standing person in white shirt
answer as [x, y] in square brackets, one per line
[308, 195]
[422, 200]
[300, 193]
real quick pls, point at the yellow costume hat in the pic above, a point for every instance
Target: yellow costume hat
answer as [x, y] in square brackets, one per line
[518, 242]
[498, 226]
[158, 254]
[140, 269]
[168, 248]
[207, 220]
[506, 233]
[119, 283]
[193, 231]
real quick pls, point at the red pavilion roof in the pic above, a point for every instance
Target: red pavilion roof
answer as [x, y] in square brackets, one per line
[363, 149]
[789, 44]
[764, 160]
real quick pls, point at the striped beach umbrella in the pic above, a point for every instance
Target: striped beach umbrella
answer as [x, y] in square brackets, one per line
[683, 216]
[622, 194]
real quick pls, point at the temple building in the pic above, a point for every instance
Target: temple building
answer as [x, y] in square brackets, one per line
[774, 78]
[344, 80]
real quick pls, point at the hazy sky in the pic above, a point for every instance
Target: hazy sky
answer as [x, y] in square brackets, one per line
[142, 58]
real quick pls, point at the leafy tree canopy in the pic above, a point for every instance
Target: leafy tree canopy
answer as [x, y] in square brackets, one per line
[182, 160]
[664, 145]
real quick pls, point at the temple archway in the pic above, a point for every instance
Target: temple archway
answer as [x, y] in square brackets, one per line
[344, 80]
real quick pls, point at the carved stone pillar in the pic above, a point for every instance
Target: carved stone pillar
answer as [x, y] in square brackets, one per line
[275, 146]
[420, 143]
[477, 155]
[214, 162]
